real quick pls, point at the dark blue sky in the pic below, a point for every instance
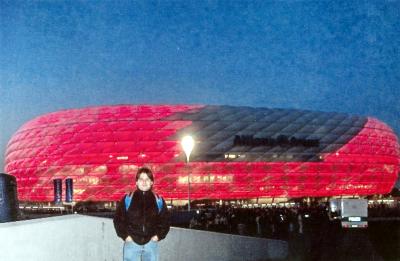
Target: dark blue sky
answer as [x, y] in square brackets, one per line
[338, 56]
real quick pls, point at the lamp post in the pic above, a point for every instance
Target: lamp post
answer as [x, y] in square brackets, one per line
[187, 144]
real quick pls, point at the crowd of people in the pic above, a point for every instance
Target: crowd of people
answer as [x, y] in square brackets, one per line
[272, 222]
[383, 210]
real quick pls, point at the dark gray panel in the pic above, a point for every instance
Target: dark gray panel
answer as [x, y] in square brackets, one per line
[217, 126]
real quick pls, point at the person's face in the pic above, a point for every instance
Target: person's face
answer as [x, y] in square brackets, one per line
[144, 183]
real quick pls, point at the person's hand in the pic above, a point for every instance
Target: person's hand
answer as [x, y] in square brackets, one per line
[128, 238]
[154, 238]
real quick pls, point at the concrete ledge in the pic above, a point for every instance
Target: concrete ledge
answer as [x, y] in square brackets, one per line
[77, 237]
[186, 244]
[71, 237]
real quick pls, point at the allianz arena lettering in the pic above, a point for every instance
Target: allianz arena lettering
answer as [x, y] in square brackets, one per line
[281, 140]
[240, 152]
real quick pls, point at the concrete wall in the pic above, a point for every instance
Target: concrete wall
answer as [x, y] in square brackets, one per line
[76, 237]
[185, 244]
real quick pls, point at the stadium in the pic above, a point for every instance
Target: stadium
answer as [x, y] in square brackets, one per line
[239, 153]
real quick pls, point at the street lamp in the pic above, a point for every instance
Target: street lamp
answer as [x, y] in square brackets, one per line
[187, 144]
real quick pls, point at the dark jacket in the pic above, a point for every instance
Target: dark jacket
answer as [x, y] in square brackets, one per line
[143, 220]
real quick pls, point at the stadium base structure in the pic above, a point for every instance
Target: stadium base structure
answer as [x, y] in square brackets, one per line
[239, 153]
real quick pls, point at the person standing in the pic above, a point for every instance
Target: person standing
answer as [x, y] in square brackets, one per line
[142, 220]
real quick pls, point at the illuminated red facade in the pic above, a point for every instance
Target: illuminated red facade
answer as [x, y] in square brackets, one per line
[240, 152]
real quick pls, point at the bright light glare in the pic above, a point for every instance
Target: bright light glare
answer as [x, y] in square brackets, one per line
[187, 144]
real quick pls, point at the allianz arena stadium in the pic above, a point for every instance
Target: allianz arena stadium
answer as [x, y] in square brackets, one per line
[239, 153]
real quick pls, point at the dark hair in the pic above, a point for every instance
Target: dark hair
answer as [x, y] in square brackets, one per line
[145, 170]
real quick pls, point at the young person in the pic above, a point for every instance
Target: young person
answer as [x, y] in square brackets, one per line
[142, 219]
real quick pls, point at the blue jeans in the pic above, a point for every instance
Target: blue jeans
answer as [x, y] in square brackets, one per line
[146, 252]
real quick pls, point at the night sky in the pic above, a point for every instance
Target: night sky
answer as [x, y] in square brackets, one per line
[340, 56]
